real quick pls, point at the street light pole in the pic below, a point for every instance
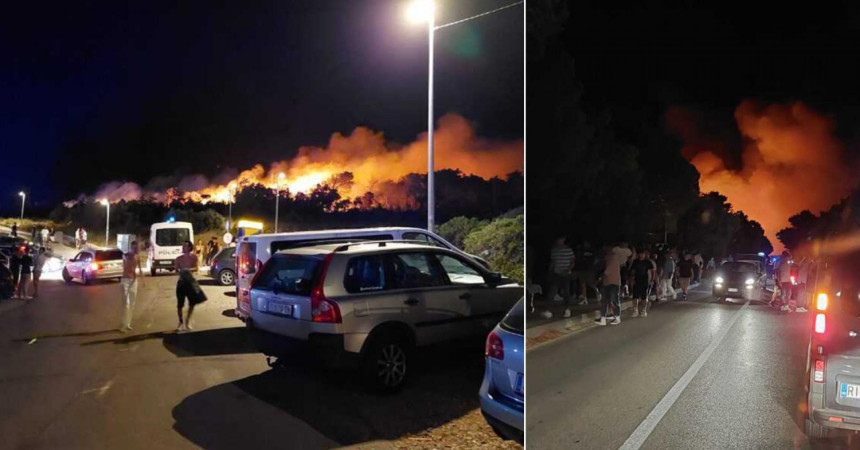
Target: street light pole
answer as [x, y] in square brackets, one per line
[278, 197]
[230, 220]
[431, 192]
[23, 199]
[106, 203]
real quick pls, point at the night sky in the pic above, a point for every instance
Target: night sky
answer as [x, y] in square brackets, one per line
[98, 91]
[643, 58]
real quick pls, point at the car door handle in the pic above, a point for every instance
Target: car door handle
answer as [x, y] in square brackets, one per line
[466, 296]
[411, 301]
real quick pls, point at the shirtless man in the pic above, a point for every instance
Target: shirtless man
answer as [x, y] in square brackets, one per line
[128, 283]
[185, 264]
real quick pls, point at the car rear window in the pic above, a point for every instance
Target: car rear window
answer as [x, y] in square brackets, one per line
[247, 262]
[108, 255]
[288, 274]
[515, 320]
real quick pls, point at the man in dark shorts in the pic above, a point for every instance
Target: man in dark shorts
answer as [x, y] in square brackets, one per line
[185, 264]
[26, 271]
[643, 275]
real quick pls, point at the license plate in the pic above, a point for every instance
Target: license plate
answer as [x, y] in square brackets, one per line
[279, 308]
[518, 385]
[847, 390]
[733, 289]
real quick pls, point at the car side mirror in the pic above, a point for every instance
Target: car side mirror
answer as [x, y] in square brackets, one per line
[493, 278]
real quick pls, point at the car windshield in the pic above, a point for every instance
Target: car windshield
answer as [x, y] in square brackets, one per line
[108, 255]
[739, 267]
[170, 237]
[288, 274]
[515, 320]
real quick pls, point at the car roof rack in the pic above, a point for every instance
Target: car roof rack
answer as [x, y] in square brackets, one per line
[383, 243]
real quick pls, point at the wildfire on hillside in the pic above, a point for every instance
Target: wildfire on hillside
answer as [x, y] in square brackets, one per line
[356, 164]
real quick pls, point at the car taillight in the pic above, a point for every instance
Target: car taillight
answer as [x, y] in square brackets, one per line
[821, 301]
[818, 373]
[820, 323]
[94, 266]
[495, 347]
[793, 279]
[323, 309]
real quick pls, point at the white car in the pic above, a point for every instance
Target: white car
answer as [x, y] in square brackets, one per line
[92, 264]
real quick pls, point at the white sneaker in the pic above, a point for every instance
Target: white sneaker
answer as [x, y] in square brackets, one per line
[635, 313]
[584, 302]
[784, 308]
[558, 298]
[801, 310]
[645, 313]
[567, 313]
[188, 326]
[181, 328]
[601, 321]
[616, 321]
[546, 315]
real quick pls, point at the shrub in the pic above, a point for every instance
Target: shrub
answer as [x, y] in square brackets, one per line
[501, 243]
[456, 229]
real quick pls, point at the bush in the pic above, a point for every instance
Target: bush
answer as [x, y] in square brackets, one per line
[456, 229]
[501, 243]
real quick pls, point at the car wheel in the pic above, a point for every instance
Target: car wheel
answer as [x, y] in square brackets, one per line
[385, 363]
[815, 431]
[226, 277]
[66, 277]
[152, 271]
[84, 278]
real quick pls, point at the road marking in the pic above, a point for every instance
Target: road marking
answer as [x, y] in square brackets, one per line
[641, 433]
[31, 341]
[100, 392]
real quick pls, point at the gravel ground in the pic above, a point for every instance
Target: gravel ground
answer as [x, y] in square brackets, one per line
[469, 431]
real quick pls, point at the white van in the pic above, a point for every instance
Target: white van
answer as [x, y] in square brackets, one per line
[165, 243]
[255, 250]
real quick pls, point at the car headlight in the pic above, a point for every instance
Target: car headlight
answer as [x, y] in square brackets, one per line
[718, 280]
[749, 282]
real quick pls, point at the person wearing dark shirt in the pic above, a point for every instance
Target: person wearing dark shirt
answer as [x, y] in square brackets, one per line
[685, 273]
[15, 267]
[26, 271]
[643, 275]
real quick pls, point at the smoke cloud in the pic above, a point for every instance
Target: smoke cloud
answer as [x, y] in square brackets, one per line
[790, 161]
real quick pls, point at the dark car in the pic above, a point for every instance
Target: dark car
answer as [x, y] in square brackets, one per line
[743, 280]
[223, 266]
[833, 375]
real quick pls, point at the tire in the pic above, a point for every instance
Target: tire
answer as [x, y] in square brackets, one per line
[152, 271]
[66, 277]
[226, 277]
[85, 280]
[386, 363]
[815, 431]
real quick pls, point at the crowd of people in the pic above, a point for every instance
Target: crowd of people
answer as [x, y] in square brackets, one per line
[644, 274]
[793, 283]
[21, 278]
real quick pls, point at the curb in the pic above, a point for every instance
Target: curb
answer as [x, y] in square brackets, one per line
[556, 329]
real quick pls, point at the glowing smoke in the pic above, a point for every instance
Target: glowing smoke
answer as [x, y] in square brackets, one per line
[790, 162]
[377, 166]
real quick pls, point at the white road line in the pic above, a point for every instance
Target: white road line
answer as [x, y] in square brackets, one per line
[101, 391]
[641, 433]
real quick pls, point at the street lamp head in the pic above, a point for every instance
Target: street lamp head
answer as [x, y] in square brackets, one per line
[22, 193]
[420, 11]
[104, 202]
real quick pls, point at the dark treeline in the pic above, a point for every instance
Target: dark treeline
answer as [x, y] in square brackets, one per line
[601, 173]
[806, 227]
[401, 203]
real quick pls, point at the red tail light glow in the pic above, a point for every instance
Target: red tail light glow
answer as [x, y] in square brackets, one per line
[820, 323]
[323, 309]
[793, 279]
[495, 347]
[821, 301]
[818, 374]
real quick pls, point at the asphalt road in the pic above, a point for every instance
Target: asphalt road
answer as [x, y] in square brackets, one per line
[68, 380]
[595, 388]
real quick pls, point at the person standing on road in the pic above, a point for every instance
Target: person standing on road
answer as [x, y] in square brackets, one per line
[801, 295]
[561, 263]
[186, 285]
[643, 277]
[611, 288]
[199, 252]
[698, 266]
[129, 284]
[45, 235]
[15, 229]
[15, 268]
[685, 274]
[83, 237]
[38, 263]
[26, 271]
[783, 278]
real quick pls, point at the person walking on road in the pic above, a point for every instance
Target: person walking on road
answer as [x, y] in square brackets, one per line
[561, 262]
[83, 237]
[15, 229]
[698, 267]
[26, 272]
[129, 284]
[685, 274]
[801, 294]
[783, 279]
[38, 262]
[45, 234]
[585, 272]
[643, 277]
[78, 238]
[15, 268]
[186, 286]
[199, 252]
[611, 285]
[666, 278]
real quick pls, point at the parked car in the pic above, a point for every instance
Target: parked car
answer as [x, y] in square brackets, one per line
[223, 266]
[832, 372]
[502, 392]
[254, 251]
[91, 264]
[369, 305]
[743, 280]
